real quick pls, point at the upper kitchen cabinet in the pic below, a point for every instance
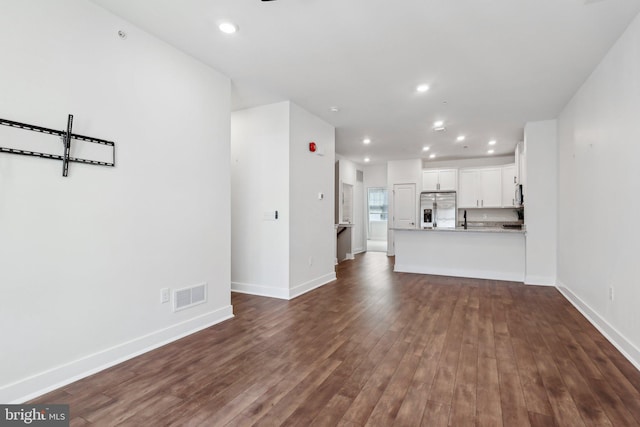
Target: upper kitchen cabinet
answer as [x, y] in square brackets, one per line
[509, 180]
[480, 188]
[440, 180]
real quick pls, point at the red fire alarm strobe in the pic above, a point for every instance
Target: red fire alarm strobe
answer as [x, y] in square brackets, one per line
[313, 147]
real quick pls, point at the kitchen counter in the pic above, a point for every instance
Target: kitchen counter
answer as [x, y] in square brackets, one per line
[478, 252]
[468, 230]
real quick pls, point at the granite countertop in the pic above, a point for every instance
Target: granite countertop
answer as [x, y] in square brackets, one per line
[475, 228]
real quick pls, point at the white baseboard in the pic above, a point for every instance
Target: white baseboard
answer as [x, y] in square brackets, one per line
[619, 341]
[475, 274]
[539, 280]
[357, 251]
[282, 293]
[44, 382]
[260, 290]
[311, 285]
[349, 256]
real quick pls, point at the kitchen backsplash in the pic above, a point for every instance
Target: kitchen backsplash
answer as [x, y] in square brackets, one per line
[504, 215]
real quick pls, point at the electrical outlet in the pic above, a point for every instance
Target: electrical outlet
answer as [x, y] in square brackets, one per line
[610, 293]
[165, 295]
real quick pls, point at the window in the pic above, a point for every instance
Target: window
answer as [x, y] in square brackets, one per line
[378, 204]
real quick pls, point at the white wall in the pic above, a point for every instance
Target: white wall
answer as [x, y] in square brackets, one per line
[347, 170]
[540, 201]
[260, 184]
[599, 177]
[402, 172]
[469, 163]
[83, 258]
[312, 235]
[375, 176]
[272, 169]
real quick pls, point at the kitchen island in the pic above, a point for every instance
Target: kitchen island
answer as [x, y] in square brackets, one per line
[483, 253]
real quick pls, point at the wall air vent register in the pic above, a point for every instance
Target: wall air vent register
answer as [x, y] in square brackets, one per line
[188, 297]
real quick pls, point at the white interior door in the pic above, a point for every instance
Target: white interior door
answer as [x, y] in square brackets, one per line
[404, 206]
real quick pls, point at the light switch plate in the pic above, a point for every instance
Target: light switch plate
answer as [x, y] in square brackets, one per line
[165, 295]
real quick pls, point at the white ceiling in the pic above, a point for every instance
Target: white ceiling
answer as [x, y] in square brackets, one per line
[492, 65]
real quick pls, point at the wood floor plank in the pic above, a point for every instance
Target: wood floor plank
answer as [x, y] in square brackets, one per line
[415, 400]
[463, 404]
[541, 420]
[436, 414]
[303, 390]
[533, 389]
[444, 381]
[387, 407]
[332, 412]
[368, 397]
[488, 406]
[375, 348]
[513, 405]
[564, 408]
[589, 407]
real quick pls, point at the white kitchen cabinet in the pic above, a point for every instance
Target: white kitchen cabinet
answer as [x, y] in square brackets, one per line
[448, 179]
[508, 186]
[440, 180]
[490, 188]
[430, 180]
[467, 192]
[480, 188]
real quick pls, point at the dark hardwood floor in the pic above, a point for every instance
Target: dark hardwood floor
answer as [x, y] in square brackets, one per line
[376, 348]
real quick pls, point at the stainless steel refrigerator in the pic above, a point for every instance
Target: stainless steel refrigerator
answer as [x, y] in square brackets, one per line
[438, 209]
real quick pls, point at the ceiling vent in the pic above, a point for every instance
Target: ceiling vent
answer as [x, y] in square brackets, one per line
[188, 297]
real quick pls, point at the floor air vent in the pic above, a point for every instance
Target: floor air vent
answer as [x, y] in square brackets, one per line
[188, 297]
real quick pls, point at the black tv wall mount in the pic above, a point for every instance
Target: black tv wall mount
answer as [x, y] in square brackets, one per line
[66, 136]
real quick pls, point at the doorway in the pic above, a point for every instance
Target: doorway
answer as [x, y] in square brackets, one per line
[377, 219]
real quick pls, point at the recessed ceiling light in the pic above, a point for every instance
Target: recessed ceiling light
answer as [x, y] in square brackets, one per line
[366, 141]
[432, 156]
[425, 148]
[438, 126]
[490, 151]
[228, 27]
[366, 160]
[422, 88]
[334, 109]
[460, 138]
[492, 142]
